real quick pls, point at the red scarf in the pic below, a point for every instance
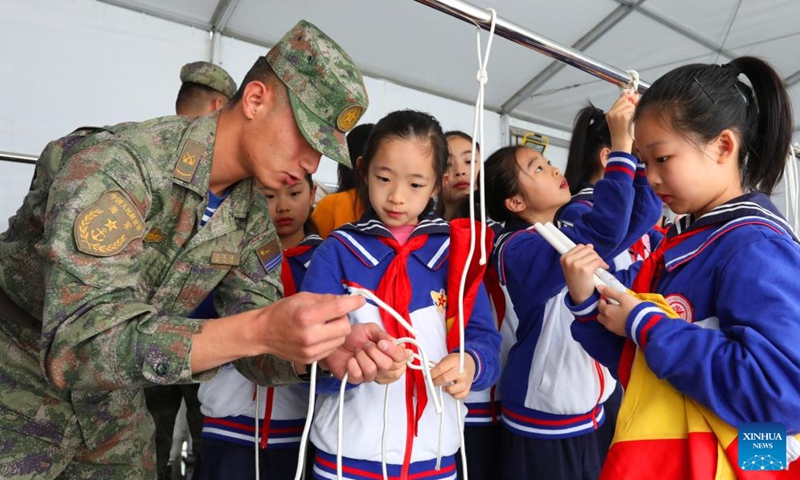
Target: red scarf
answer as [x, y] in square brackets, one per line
[395, 290]
[289, 289]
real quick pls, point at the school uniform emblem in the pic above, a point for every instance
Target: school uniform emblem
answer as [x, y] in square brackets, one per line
[104, 228]
[269, 254]
[439, 300]
[681, 305]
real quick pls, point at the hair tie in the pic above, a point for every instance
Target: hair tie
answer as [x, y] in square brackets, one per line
[597, 117]
[733, 69]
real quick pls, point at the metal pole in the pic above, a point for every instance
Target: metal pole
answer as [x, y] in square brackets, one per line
[517, 34]
[17, 158]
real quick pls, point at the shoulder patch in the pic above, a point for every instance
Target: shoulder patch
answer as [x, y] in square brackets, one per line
[155, 235]
[269, 254]
[104, 228]
[187, 160]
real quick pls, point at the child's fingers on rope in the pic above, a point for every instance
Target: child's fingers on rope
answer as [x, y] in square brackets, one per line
[446, 372]
[390, 363]
[394, 373]
[460, 388]
[354, 373]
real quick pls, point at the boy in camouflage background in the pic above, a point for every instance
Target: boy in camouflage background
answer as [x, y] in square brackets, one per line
[105, 259]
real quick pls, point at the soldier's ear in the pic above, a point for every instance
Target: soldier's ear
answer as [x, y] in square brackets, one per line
[258, 98]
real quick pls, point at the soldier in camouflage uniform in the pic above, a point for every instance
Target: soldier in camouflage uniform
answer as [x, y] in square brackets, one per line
[105, 259]
[205, 88]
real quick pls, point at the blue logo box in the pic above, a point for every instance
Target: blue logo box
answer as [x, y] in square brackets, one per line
[762, 446]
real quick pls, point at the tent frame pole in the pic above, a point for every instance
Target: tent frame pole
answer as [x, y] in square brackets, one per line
[522, 36]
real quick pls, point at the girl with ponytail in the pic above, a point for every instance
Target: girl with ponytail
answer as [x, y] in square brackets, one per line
[714, 148]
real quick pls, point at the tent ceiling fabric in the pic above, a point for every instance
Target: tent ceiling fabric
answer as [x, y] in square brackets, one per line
[416, 46]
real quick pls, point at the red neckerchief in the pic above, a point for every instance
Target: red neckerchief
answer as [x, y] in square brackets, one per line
[289, 289]
[395, 290]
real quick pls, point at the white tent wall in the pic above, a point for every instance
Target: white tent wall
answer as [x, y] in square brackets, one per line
[69, 63]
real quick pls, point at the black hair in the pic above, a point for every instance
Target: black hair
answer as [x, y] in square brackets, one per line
[590, 135]
[349, 177]
[699, 101]
[261, 71]
[502, 182]
[195, 96]
[460, 134]
[406, 124]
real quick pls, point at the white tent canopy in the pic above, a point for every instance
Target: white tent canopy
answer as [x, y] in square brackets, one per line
[68, 63]
[414, 45]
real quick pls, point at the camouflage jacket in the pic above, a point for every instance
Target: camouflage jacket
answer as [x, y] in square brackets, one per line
[107, 253]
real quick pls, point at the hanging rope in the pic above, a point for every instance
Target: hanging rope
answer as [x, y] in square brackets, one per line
[477, 132]
[417, 361]
[633, 85]
[791, 196]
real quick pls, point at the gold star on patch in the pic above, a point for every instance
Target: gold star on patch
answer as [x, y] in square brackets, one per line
[111, 225]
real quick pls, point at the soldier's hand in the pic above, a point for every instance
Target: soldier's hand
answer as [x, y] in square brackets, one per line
[306, 327]
[368, 354]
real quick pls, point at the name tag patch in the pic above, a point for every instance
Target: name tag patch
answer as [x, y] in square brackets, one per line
[225, 258]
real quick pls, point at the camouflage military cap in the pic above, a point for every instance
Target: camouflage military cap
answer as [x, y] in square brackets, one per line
[325, 87]
[210, 75]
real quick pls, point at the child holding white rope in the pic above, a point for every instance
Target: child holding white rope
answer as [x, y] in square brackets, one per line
[552, 391]
[402, 256]
[589, 150]
[714, 148]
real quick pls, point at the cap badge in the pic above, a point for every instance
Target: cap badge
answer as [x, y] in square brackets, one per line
[349, 117]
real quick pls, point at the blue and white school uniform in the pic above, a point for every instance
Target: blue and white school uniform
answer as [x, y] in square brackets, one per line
[732, 276]
[551, 389]
[355, 256]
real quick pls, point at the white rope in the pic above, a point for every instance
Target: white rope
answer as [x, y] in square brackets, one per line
[441, 433]
[477, 132]
[791, 195]
[633, 85]
[342, 389]
[312, 395]
[423, 364]
[385, 432]
[391, 311]
[438, 401]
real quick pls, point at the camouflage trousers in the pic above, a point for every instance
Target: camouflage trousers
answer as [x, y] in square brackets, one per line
[41, 435]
